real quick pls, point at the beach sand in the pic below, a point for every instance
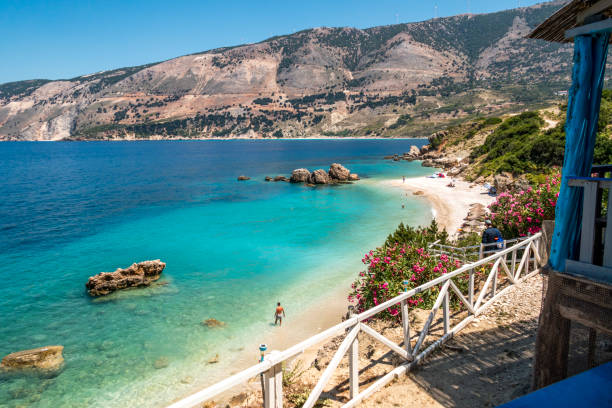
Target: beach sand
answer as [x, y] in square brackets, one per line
[450, 205]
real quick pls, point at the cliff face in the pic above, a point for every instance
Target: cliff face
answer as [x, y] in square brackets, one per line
[334, 81]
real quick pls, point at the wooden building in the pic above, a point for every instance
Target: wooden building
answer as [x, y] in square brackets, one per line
[580, 263]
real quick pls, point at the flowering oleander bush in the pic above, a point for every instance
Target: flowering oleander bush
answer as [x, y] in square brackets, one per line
[389, 266]
[521, 213]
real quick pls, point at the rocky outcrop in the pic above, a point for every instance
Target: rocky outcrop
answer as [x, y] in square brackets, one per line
[319, 176]
[243, 178]
[280, 178]
[414, 152]
[300, 176]
[137, 275]
[48, 358]
[338, 172]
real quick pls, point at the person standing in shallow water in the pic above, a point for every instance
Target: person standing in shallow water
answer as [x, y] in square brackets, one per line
[279, 314]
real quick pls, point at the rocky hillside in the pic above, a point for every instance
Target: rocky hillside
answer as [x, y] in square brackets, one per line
[398, 80]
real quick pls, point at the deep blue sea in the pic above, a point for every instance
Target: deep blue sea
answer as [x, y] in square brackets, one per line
[232, 249]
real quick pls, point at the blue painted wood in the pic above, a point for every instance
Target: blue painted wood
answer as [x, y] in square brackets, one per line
[590, 53]
[592, 388]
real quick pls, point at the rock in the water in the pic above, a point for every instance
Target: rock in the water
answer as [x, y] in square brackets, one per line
[353, 177]
[418, 192]
[137, 275]
[414, 151]
[242, 178]
[300, 176]
[47, 358]
[338, 172]
[268, 178]
[161, 362]
[214, 360]
[280, 178]
[319, 176]
[212, 323]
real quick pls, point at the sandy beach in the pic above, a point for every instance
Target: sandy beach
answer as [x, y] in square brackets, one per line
[449, 204]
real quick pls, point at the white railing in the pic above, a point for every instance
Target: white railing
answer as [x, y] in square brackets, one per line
[475, 301]
[470, 253]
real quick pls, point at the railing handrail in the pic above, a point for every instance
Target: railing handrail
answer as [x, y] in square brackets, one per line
[278, 357]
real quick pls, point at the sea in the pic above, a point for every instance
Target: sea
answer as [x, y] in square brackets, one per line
[70, 210]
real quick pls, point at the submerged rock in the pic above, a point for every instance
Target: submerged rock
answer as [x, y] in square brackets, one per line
[214, 360]
[48, 358]
[338, 172]
[319, 176]
[280, 178]
[299, 176]
[161, 362]
[212, 323]
[137, 275]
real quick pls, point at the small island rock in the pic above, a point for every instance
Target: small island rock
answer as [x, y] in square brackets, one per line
[299, 176]
[353, 177]
[319, 176]
[242, 178]
[338, 172]
[280, 178]
[268, 178]
[137, 275]
[47, 358]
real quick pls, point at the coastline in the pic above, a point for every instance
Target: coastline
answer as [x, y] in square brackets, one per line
[449, 204]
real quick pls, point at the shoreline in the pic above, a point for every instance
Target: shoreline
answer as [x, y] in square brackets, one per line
[450, 205]
[332, 306]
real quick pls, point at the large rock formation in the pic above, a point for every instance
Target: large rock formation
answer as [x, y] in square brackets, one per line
[300, 176]
[338, 172]
[319, 176]
[137, 275]
[47, 358]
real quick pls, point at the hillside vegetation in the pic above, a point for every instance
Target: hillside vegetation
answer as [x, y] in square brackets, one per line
[529, 143]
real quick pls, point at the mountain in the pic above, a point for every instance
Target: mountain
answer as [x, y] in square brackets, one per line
[397, 80]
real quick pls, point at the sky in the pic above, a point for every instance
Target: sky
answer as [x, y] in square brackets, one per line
[60, 39]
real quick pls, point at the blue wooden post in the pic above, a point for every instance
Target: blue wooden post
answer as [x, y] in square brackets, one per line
[590, 52]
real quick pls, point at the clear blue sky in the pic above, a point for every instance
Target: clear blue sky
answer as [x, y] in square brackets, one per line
[62, 39]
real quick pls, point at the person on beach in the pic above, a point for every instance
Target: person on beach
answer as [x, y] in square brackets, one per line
[279, 314]
[492, 235]
[403, 179]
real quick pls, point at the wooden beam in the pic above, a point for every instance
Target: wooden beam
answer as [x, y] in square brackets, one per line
[316, 391]
[593, 28]
[601, 5]
[587, 314]
[377, 336]
[587, 236]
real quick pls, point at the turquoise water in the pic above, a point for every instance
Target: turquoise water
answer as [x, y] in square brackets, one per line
[232, 250]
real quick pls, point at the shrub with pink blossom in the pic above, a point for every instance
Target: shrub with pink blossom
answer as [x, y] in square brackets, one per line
[389, 266]
[521, 213]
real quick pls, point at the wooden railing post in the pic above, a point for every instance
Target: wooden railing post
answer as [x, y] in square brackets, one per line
[471, 288]
[353, 364]
[406, 325]
[273, 385]
[494, 286]
[445, 309]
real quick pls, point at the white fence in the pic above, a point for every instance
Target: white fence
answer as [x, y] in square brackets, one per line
[513, 262]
